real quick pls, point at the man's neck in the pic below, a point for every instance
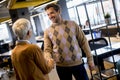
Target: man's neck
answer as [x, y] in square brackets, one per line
[60, 21]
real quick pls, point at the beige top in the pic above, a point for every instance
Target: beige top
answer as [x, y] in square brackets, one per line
[64, 41]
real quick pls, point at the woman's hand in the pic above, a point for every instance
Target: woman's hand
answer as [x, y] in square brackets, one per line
[51, 63]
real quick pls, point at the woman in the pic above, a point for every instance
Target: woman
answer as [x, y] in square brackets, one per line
[27, 58]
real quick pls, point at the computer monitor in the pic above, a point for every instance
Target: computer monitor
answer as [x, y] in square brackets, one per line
[5, 34]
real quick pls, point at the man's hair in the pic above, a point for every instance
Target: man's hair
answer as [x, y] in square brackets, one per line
[21, 28]
[55, 6]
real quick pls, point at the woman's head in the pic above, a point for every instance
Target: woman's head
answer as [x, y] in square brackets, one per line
[21, 28]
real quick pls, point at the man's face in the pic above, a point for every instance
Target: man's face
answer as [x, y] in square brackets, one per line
[53, 15]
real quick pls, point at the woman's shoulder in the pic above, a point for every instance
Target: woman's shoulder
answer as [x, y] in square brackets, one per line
[33, 46]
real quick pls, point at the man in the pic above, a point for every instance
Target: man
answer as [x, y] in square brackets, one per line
[27, 59]
[63, 41]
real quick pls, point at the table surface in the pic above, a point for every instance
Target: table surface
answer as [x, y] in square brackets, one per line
[100, 26]
[95, 27]
[6, 53]
[107, 49]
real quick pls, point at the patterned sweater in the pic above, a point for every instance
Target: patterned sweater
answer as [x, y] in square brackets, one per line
[64, 41]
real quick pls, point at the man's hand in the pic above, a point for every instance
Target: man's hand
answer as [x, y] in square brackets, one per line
[91, 66]
[51, 63]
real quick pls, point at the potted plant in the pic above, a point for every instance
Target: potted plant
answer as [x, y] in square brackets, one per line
[107, 18]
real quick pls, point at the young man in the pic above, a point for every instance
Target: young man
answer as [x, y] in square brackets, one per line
[63, 41]
[27, 59]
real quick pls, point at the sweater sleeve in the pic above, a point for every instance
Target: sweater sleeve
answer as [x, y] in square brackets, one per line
[48, 47]
[83, 43]
[40, 60]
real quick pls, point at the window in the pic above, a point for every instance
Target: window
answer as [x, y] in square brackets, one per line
[73, 14]
[117, 3]
[82, 14]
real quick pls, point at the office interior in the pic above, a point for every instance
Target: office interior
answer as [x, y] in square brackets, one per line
[102, 33]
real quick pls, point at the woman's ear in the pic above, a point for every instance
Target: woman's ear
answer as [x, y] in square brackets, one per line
[29, 33]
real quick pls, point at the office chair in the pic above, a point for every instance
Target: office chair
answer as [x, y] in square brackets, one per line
[97, 43]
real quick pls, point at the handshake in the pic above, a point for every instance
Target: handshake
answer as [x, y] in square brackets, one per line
[50, 63]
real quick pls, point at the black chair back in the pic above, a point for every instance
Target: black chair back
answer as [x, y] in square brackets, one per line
[97, 43]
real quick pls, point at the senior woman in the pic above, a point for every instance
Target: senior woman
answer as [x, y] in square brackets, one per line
[27, 59]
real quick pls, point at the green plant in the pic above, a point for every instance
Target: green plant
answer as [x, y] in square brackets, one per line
[107, 15]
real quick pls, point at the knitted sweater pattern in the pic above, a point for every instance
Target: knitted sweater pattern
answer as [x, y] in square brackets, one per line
[65, 45]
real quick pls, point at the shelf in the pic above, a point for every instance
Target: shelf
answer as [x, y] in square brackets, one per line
[109, 73]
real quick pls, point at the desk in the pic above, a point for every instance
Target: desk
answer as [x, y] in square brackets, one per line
[95, 27]
[96, 34]
[6, 54]
[105, 52]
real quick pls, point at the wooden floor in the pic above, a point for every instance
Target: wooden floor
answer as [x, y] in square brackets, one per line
[53, 75]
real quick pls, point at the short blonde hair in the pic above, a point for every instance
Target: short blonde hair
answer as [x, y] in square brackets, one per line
[21, 27]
